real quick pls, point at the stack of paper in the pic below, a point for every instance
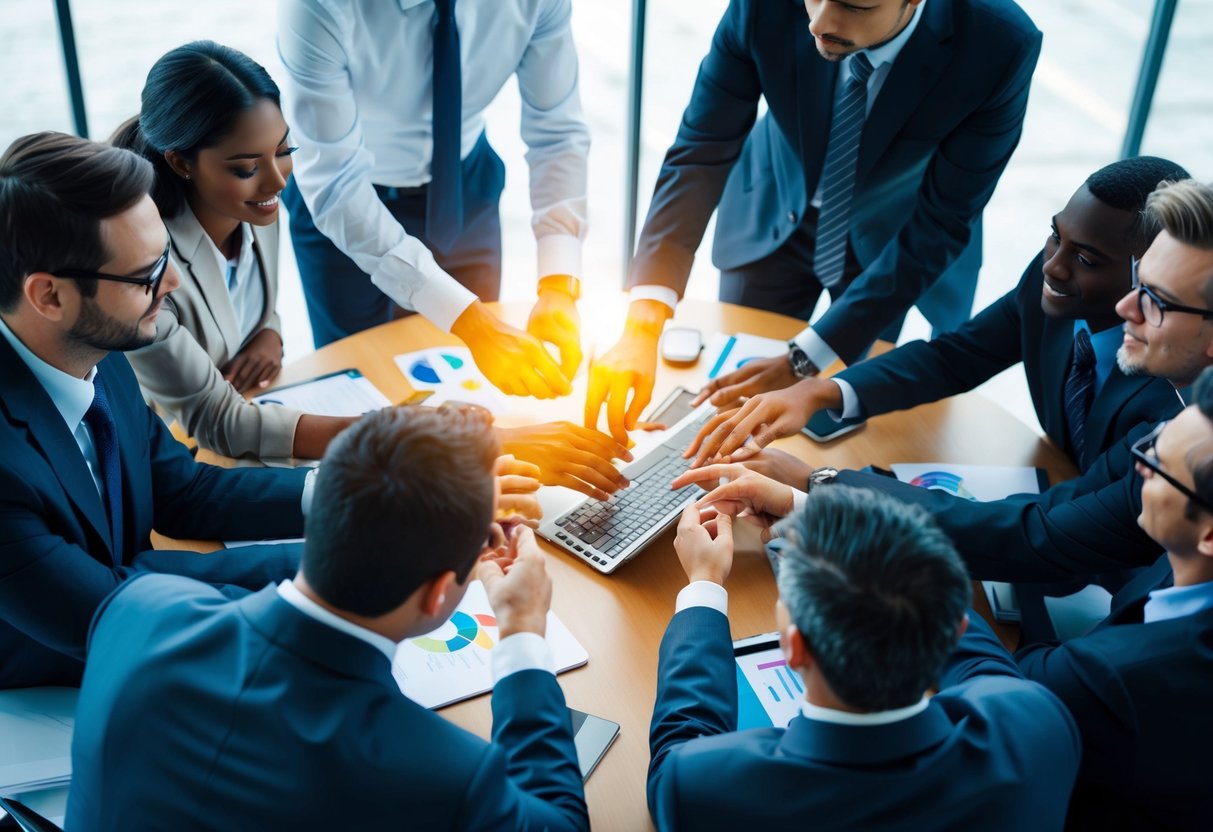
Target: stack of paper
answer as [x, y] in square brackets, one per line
[36, 726]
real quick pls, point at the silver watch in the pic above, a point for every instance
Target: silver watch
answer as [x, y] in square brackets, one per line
[802, 365]
[821, 476]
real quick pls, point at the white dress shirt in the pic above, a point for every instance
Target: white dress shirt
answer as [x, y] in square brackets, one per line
[359, 99]
[882, 58]
[244, 284]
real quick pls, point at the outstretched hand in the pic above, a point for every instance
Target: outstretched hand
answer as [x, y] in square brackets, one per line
[511, 359]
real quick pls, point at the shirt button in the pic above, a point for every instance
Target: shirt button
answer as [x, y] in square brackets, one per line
[792, 217]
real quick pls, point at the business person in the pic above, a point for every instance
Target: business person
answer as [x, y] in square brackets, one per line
[87, 469]
[212, 127]
[395, 178]
[1060, 322]
[1138, 684]
[872, 601]
[280, 710]
[888, 126]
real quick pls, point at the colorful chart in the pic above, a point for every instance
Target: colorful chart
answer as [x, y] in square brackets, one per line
[943, 481]
[421, 371]
[469, 629]
[768, 691]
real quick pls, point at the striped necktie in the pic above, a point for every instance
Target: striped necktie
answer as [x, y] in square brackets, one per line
[1080, 389]
[838, 172]
[100, 421]
[444, 197]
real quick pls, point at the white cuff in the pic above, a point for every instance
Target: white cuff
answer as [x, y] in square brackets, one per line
[798, 500]
[661, 294]
[815, 348]
[425, 287]
[309, 485]
[703, 594]
[521, 651]
[850, 401]
[559, 254]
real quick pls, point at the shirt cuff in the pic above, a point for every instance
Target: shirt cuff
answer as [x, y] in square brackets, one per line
[559, 254]
[309, 485]
[703, 594]
[815, 348]
[423, 287]
[661, 294]
[850, 401]
[798, 500]
[521, 651]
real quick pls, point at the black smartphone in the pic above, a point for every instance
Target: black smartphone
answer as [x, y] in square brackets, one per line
[823, 427]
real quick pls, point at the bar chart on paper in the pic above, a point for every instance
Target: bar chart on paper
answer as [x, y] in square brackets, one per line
[768, 691]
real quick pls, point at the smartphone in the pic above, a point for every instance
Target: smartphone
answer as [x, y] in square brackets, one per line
[592, 735]
[673, 407]
[681, 345]
[823, 427]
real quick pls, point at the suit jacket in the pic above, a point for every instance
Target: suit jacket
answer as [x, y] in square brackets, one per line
[58, 558]
[1140, 695]
[938, 137]
[1083, 526]
[201, 713]
[991, 751]
[197, 333]
[1010, 330]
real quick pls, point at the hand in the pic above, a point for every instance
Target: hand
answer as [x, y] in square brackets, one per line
[257, 362]
[517, 585]
[779, 466]
[555, 320]
[569, 455]
[764, 418]
[518, 483]
[509, 358]
[757, 376]
[630, 365]
[747, 494]
[706, 554]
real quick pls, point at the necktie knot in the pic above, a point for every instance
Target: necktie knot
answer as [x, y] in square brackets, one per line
[446, 8]
[1084, 353]
[99, 414]
[861, 67]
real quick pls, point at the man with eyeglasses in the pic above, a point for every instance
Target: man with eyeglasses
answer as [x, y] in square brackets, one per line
[87, 469]
[1138, 684]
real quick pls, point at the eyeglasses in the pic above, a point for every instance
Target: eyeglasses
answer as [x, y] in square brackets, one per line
[1143, 451]
[150, 283]
[1152, 306]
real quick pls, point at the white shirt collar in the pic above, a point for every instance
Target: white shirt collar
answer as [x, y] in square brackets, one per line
[291, 594]
[71, 396]
[1177, 602]
[405, 5]
[811, 711]
[242, 260]
[887, 52]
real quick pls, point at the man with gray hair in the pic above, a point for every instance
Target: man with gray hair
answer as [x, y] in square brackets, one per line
[871, 615]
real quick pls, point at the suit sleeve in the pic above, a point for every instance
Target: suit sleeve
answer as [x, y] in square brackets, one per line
[696, 695]
[955, 362]
[979, 653]
[1082, 526]
[715, 125]
[529, 778]
[956, 187]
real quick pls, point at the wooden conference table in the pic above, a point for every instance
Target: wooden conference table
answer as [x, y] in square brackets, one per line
[620, 618]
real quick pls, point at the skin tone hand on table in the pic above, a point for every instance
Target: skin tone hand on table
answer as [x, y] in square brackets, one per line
[629, 367]
[257, 362]
[512, 360]
[555, 320]
[746, 495]
[517, 584]
[757, 376]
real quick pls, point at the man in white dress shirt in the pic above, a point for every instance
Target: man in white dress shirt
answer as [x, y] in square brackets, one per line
[395, 178]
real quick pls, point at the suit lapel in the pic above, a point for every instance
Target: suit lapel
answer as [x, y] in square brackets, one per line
[1113, 396]
[815, 79]
[867, 745]
[1128, 605]
[261, 239]
[193, 253]
[912, 76]
[1056, 348]
[29, 403]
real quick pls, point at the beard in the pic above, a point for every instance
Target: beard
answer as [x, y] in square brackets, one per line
[99, 331]
[1126, 363]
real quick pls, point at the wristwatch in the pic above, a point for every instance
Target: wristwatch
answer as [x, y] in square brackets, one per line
[566, 283]
[802, 366]
[820, 476]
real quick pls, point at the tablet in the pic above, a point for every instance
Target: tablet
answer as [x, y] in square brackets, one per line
[769, 692]
[592, 735]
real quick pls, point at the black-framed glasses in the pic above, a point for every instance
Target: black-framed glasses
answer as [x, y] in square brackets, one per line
[150, 283]
[1143, 451]
[1152, 306]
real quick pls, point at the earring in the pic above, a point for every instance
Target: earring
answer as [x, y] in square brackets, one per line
[187, 176]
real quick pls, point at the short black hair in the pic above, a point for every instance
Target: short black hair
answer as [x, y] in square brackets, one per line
[1125, 185]
[191, 100]
[402, 495]
[876, 589]
[55, 190]
[1202, 467]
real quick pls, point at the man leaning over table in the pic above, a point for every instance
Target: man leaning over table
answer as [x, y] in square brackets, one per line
[872, 615]
[395, 178]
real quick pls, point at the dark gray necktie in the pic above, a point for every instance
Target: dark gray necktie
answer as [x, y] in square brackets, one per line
[1080, 390]
[100, 421]
[444, 198]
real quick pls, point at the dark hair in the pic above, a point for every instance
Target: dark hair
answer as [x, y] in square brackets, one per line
[1202, 468]
[402, 496]
[877, 591]
[1126, 185]
[55, 190]
[191, 100]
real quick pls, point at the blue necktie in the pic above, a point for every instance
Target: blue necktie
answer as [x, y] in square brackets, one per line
[100, 420]
[838, 172]
[1080, 389]
[444, 198]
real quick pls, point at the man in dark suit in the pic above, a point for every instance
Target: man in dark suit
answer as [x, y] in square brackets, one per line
[279, 710]
[1060, 322]
[87, 470]
[1138, 684]
[866, 177]
[872, 603]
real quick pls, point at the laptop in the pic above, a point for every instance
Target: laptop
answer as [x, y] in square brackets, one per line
[607, 533]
